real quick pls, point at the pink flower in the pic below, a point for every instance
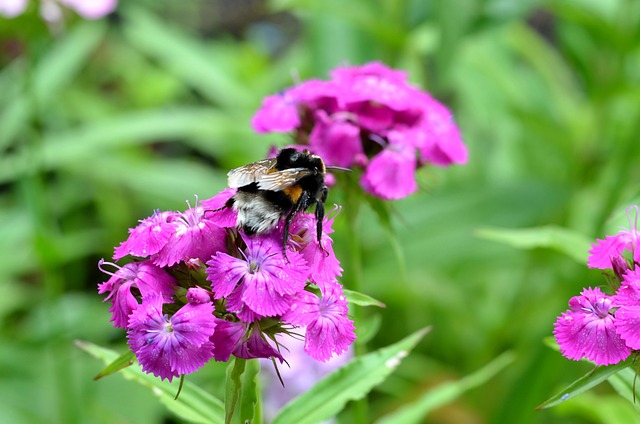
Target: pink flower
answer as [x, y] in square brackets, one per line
[628, 314]
[587, 330]
[149, 237]
[147, 278]
[391, 174]
[170, 346]
[329, 331]
[371, 117]
[263, 275]
[193, 237]
[337, 141]
[602, 252]
[321, 259]
[226, 338]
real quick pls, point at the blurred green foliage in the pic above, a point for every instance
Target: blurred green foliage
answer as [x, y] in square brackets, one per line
[101, 122]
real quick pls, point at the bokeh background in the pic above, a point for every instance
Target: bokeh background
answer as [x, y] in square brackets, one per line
[101, 122]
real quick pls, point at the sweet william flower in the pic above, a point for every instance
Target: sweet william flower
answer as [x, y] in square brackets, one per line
[391, 174]
[170, 346]
[323, 264]
[370, 117]
[604, 251]
[147, 278]
[627, 299]
[587, 330]
[149, 237]
[193, 237]
[328, 329]
[264, 276]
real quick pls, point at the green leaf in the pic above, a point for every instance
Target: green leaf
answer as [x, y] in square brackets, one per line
[57, 69]
[563, 240]
[204, 69]
[626, 384]
[121, 362]
[194, 404]
[351, 382]
[362, 299]
[588, 381]
[242, 402]
[445, 393]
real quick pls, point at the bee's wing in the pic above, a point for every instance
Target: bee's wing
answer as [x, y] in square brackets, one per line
[279, 180]
[250, 173]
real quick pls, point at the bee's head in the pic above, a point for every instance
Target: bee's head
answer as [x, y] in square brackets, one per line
[291, 158]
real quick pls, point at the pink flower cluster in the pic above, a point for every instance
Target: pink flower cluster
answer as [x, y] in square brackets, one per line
[368, 117]
[605, 328]
[198, 288]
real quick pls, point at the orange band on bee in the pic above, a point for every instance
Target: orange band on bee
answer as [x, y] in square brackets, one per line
[294, 192]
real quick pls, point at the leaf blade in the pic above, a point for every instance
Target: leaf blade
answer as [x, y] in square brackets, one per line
[351, 382]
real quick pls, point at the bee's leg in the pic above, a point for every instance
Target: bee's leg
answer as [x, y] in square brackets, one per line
[320, 216]
[301, 204]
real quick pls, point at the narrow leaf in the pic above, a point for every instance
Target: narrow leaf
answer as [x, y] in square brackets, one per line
[563, 240]
[58, 68]
[123, 361]
[626, 384]
[447, 392]
[581, 385]
[351, 382]
[362, 299]
[233, 386]
[194, 404]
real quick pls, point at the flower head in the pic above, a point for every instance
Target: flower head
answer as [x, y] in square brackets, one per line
[371, 117]
[329, 330]
[169, 346]
[193, 237]
[587, 330]
[264, 276]
[604, 251]
[149, 237]
[147, 278]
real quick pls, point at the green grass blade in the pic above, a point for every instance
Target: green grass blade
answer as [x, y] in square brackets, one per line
[447, 392]
[581, 385]
[573, 244]
[193, 405]
[351, 382]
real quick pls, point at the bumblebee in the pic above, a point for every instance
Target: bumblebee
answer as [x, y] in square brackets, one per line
[274, 189]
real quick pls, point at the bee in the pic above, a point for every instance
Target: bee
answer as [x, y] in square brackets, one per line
[274, 189]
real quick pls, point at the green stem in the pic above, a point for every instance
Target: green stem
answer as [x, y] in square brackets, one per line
[353, 203]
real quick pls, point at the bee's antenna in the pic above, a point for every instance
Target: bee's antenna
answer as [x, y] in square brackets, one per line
[337, 168]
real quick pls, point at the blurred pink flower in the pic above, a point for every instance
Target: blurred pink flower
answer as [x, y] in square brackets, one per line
[12, 8]
[368, 116]
[51, 12]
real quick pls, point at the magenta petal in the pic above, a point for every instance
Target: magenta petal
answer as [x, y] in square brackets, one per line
[225, 272]
[602, 251]
[168, 347]
[278, 113]
[390, 174]
[256, 347]
[226, 337]
[149, 237]
[443, 144]
[217, 212]
[195, 237]
[628, 325]
[336, 141]
[588, 330]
